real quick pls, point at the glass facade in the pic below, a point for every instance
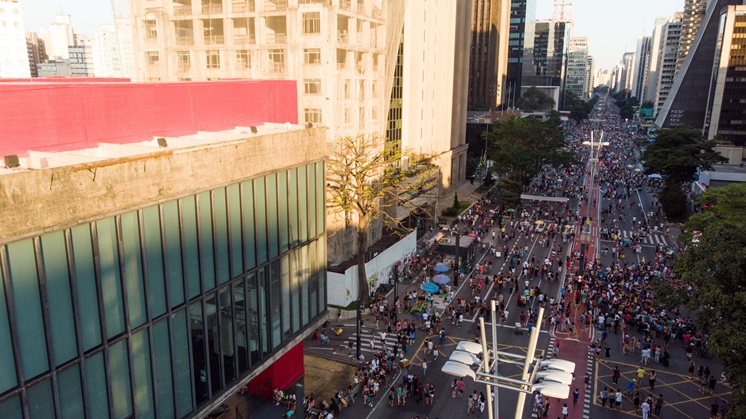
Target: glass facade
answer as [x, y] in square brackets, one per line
[153, 312]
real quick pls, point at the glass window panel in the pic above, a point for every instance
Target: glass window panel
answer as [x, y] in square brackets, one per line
[265, 327]
[295, 280]
[221, 235]
[293, 206]
[8, 379]
[303, 204]
[226, 335]
[59, 300]
[234, 213]
[191, 244]
[311, 201]
[213, 344]
[239, 331]
[314, 281]
[40, 404]
[276, 306]
[24, 284]
[285, 293]
[205, 241]
[247, 198]
[321, 272]
[272, 216]
[163, 380]
[182, 375]
[151, 231]
[282, 195]
[199, 357]
[260, 202]
[133, 269]
[320, 199]
[142, 372]
[110, 284]
[252, 309]
[173, 253]
[119, 370]
[304, 274]
[85, 286]
[98, 405]
[11, 408]
[70, 392]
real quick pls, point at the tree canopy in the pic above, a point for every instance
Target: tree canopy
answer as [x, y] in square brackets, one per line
[714, 269]
[361, 176]
[579, 108]
[677, 153]
[521, 146]
[534, 100]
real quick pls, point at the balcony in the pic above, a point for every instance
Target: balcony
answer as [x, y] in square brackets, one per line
[212, 8]
[214, 39]
[244, 39]
[275, 5]
[277, 38]
[276, 68]
[343, 38]
[377, 13]
[184, 40]
[184, 68]
[243, 6]
[345, 5]
[341, 66]
[360, 9]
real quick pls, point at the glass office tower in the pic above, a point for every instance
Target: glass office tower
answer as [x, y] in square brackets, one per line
[153, 311]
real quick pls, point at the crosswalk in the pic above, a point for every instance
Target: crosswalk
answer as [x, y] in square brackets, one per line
[651, 239]
[365, 340]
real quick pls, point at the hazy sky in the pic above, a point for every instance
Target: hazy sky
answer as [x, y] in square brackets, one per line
[612, 26]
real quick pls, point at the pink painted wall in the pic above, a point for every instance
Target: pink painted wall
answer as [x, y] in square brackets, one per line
[67, 114]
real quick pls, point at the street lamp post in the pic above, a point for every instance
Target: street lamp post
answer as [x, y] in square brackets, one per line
[457, 271]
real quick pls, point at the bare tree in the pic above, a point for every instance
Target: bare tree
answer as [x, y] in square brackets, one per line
[367, 180]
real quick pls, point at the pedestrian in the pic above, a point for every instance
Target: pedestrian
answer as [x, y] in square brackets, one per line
[424, 369]
[645, 409]
[604, 397]
[714, 409]
[651, 379]
[636, 401]
[658, 405]
[618, 399]
[608, 351]
[575, 396]
[564, 411]
[711, 385]
[615, 377]
[691, 369]
[461, 386]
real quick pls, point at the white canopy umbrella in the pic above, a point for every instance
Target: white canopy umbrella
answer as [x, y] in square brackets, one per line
[555, 376]
[458, 369]
[558, 364]
[471, 347]
[552, 389]
[466, 358]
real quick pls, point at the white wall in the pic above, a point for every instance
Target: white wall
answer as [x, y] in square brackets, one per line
[342, 289]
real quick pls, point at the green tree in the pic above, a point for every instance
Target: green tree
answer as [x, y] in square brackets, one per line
[715, 270]
[360, 177]
[521, 146]
[677, 153]
[534, 100]
[673, 200]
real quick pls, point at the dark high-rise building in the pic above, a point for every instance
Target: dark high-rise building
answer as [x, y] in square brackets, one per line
[690, 99]
[545, 53]
[489, 53]
[522, 12]
[37, 52]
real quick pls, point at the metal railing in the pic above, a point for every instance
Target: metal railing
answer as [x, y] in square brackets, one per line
[184, 40]
[277, 38]
[275, 5]
[214, 39]
[243, 7]
[244, 39]
[212, 8]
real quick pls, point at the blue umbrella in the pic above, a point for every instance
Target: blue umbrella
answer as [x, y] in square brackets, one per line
[441, 279]
[430, 288]
[441, 267]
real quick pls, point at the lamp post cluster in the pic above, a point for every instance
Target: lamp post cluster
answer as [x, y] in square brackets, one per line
[585, 234]
[551, 378]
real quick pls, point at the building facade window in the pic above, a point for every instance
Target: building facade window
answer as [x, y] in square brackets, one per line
[311, 22]
[212, 59]
[312, 115]
[152, 58]
[184, 60]
[312, 86]
[151, 29]
[243, 59]
[276, 61]
[170, 339]
[312, 56]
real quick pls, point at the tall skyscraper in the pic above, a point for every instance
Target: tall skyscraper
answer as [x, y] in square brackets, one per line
[628, 62]
[60, 37]
[640, 68]
[590, 74]
[690, 97]
[694, 12]
[522, 12]
[81, 57]
[113, 55]
[726, 116]
[14, 57]
[37, 52]
[577, 77]
[667, 59]
[656, 41]
[488, 59]
[342, 53]
[545, 53]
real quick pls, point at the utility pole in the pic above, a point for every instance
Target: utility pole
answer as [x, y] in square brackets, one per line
[457, 272]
